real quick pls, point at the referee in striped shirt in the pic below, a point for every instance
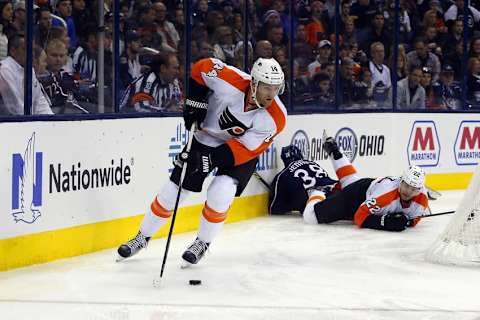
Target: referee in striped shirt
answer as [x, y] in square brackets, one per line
[157, 89]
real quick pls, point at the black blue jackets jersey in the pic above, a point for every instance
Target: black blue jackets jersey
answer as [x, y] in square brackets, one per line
[289, 187]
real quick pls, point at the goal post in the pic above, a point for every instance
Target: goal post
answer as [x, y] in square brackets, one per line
[459, 243]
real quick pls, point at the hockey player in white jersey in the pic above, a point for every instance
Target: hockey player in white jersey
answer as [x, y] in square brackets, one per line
[385, 203]
[239, 115]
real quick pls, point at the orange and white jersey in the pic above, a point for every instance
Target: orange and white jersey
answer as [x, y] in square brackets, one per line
[382, 196]
[247, 133]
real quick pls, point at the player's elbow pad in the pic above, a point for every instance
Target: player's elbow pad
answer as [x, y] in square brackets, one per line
[388, 222]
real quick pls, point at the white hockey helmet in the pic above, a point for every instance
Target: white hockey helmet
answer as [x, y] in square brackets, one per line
[267, 71]
[414, 176]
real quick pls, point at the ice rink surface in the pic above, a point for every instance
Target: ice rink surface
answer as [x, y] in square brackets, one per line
[266, 268]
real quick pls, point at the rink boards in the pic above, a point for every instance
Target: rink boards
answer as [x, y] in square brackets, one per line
[73, 187]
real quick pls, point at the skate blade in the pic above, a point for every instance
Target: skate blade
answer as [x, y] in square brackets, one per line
[119, 258]
[185, 264]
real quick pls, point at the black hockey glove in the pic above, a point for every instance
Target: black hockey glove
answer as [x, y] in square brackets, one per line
[194, 111]
[196, 104]
[197, 161]
[389, 222]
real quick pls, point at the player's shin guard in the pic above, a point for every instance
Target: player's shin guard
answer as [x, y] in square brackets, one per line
[315, 196]
[346, 172]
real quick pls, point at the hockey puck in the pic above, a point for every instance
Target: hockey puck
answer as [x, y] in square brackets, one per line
[195, 282]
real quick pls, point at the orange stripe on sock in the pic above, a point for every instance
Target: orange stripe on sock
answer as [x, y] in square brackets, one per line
[159, 210]
[212, 215]
[345, 171]
[317, 197]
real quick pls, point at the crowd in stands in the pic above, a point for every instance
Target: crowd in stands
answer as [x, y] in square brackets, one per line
[428, 73]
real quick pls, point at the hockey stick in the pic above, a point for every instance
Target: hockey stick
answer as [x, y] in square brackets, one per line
[259, 177]
[437, 214]
[432, 193]
[156, 282]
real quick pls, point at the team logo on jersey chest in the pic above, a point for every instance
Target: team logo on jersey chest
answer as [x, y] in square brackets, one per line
[233, 126]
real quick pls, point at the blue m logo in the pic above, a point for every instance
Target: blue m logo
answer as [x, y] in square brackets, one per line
[27, 183]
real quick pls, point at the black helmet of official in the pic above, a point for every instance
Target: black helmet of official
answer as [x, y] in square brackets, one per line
[290, 153]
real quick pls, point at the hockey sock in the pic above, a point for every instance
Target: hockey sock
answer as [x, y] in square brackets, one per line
[315, 197]
[220, 195]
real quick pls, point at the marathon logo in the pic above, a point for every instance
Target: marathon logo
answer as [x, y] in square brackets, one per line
[467, 143]
[423, 144]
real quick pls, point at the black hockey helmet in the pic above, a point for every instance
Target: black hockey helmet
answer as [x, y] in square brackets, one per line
[290, 153]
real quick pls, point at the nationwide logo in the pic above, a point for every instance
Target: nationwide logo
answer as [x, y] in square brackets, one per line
[467, 143]
[27, 184]
[177, 142]
[27, 173]
[423, 145]
[268, 159]
[366, 146]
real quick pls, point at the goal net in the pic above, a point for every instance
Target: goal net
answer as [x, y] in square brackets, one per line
[460, 241]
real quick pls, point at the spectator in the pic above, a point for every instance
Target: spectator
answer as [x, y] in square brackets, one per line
[475, 48]
[410, 94]
[427, 84]
[81, 17]
[58, 84]
[453, 59]
[363, 89]
[6, 11]
[473, 83]
[200, 12]
[303, 52]
[421, 57]
[455, 12]
[432, 19]
[179, 22]
[43, 26]
[239, 54]
[364, 11]
[12, 81]
[323, 56]
[156, 90]
[322, 91]
[61, 34]
[376, 33]
[402, 63]
[263, 49]
[223, 45]
[381, 79]
[39, 61]
[346, 83]
[205, 50]
[433, 41]
[165, 28]
[19, 17]
[349, 33]
[446, 94]
[276, 36]
[454, 36]
[317, 29]
[405, 27]
[64, 10]
[130, 67]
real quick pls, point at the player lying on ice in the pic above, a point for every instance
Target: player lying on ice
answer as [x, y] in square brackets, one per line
[239, 115]
[385, 203]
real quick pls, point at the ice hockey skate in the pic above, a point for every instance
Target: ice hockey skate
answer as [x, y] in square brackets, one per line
[194, 253]
[132, 247]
